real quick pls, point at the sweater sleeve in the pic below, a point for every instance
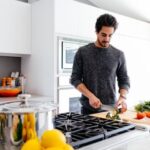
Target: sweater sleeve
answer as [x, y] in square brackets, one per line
[122, 75]
[76, 76]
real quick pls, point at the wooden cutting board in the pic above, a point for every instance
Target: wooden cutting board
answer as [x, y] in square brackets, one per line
[128, 116]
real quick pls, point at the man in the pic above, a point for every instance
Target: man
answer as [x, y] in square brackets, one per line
[96, 67]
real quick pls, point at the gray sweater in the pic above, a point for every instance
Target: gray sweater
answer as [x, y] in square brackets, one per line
[98, 69]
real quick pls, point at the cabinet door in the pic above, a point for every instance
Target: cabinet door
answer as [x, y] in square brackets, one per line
[15, 27]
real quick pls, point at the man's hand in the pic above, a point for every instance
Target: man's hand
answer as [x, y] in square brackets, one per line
[95, 102]
[121, 102]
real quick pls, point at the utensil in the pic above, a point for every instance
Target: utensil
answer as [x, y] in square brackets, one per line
[107, 107]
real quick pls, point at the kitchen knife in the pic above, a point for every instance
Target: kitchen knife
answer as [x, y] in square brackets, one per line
[107, 107]
[110, 108]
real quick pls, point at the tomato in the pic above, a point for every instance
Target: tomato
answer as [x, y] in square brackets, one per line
[147, 114]
[140, 115]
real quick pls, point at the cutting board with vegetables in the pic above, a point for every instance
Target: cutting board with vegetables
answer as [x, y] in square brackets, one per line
[128, 116]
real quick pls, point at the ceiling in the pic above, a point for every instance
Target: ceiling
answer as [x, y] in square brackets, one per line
[138, 9]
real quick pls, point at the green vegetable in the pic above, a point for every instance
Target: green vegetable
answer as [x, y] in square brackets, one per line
[145, 106]
[17, 134]
[19, 130]
[114, 117]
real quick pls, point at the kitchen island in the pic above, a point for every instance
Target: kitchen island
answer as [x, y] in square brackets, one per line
[135, 143]
[124, 141]
[139, 143]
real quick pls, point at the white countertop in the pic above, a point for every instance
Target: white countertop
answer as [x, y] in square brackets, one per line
[33, 97]
[140, 143]
[125, 141]
[37, 103]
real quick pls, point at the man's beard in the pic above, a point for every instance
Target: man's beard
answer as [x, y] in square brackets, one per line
[103, 44]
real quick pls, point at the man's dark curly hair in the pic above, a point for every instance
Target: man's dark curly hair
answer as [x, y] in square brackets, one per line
[105, 20]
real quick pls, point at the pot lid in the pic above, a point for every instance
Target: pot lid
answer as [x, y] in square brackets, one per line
[22, 106]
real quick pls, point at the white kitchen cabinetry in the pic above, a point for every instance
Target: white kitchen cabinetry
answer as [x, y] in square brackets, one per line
[15, 28]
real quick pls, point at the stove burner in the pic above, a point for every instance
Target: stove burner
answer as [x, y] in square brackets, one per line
[94, 132]
[82, 130]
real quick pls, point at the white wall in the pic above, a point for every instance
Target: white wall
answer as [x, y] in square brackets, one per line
[52, 18]
[39, 67]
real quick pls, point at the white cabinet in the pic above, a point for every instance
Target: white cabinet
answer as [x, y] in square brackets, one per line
[15, 28]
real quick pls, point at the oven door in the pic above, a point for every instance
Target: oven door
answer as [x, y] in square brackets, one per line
[69, 100]
[68, 96]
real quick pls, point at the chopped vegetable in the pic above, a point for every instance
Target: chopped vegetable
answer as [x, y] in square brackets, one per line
[115, 115]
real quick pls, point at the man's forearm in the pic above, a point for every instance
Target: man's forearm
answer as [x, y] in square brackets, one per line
[84, 90]
[123, 93]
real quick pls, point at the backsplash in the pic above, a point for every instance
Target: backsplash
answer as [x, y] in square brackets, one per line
[8, 65]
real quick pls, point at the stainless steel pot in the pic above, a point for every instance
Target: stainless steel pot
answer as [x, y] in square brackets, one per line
[20, 120]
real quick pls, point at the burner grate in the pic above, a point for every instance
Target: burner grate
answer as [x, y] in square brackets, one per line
[86, 129]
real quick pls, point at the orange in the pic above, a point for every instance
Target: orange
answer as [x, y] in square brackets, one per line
[32, 144]
[53, 138]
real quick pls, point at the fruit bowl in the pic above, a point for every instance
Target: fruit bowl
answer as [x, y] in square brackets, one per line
[9, 92]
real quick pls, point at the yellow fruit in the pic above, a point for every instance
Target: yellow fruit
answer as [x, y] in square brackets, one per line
[24, 134]
[34, 133]
[53, 138]
[42, 148]
[31, 134]
[54, 148]
[32, 120]
[67, 147]
[32, 144]
[25, 120]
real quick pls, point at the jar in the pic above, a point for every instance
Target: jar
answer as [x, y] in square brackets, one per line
[19, 117]
[4, 82]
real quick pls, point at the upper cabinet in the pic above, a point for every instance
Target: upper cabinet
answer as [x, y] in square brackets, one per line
[15, 28]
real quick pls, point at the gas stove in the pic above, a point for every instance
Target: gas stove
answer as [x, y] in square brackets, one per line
[81, 130]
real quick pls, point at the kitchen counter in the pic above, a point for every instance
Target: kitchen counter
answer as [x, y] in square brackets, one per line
[140, 143]
[127, 141]
[135, 143]
[33, 97]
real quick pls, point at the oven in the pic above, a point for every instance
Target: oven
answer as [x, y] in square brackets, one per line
[68, 96]
[85, 132]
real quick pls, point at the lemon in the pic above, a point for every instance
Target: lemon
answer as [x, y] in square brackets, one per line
[54, 148]
[32, 144]
[53, 138]
[67, 147]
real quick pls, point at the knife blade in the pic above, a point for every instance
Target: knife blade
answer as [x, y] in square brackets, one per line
[107, 107]
[111, 108]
